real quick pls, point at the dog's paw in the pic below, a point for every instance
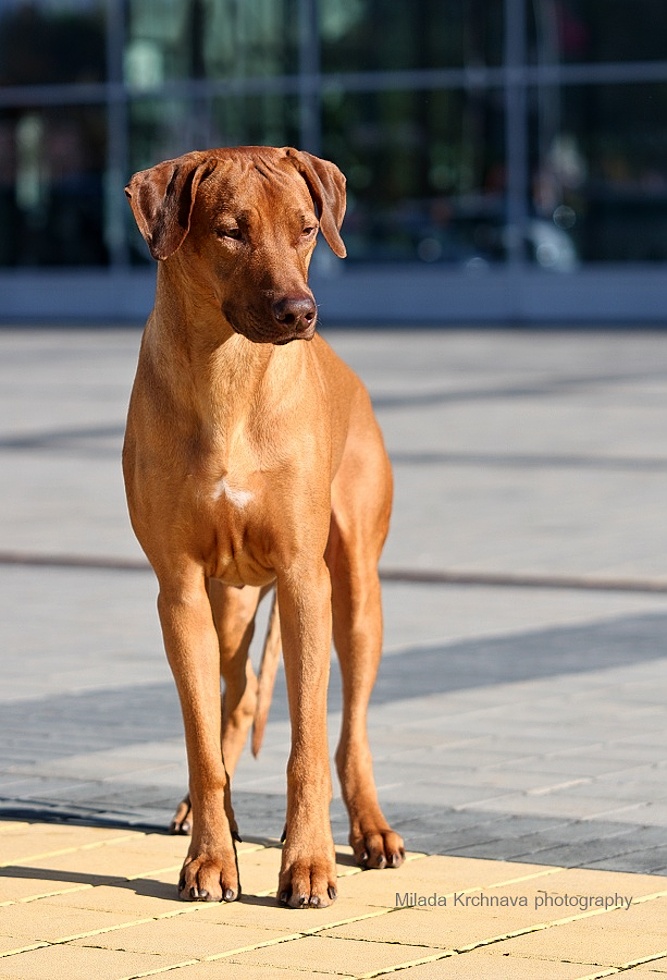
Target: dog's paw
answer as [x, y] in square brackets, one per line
[378, 849]
[307, 883]
[209, 878]
[182, 821]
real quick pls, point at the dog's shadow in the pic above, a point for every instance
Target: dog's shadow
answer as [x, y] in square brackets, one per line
[146, 887]
[143, 887]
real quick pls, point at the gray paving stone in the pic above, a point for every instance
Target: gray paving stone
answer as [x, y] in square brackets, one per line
[510, 723]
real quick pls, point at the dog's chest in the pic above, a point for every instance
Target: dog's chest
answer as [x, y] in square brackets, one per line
[236, 496]
[229, 530]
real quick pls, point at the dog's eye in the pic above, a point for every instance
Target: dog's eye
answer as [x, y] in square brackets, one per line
[308, 231]
[234, 233]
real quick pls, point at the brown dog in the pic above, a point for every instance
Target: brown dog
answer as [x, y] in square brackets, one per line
[251, 460]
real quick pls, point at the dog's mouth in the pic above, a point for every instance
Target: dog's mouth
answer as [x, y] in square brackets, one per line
[306, 333]
[257, 330]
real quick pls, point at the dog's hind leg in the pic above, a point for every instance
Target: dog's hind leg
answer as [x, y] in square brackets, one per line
[234, 617]
[361, 506]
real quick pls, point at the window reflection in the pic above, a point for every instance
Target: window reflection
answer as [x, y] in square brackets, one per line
[212, 39]
[425, 174]
[411, 99]
[601, 173]
[367, 35]
[597, 30]
[51, 188]
[55, 42]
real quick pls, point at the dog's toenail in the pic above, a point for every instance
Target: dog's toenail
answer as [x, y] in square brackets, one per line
[332, 893]
[229, 895]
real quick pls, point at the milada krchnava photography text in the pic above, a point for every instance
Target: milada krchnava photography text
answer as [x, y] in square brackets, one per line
[540, 900]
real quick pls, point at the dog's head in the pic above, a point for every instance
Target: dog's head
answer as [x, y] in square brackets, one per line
[243, 223]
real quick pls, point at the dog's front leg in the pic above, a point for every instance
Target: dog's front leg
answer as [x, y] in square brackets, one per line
[210, 871]
[308, 871]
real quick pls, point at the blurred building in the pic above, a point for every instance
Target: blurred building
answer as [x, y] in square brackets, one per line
[506, 159]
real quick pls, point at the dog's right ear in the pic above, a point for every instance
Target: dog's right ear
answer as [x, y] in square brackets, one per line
[162, 199]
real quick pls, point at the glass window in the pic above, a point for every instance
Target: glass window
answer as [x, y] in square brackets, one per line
[597, 30]
[161, 129]
[164, 128]
[425, 174]
[214, 39]
[51, 186]
[600, 168]
[372, 35]
[54, 42]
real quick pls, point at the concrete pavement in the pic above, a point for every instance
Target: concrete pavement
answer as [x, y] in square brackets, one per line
[512, 722]
[82, 902]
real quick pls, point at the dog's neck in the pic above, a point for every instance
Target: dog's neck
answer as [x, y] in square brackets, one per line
[218, 374]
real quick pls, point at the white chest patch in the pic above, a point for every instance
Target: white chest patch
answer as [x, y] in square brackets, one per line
[237, 497]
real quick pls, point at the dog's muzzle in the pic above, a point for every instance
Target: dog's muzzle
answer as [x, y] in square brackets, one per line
[287, 319]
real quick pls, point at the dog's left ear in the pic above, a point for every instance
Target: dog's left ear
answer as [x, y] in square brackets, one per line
[162, 199]
[327, 188]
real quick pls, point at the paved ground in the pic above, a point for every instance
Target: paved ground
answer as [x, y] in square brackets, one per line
[511, 722]
[87, 902]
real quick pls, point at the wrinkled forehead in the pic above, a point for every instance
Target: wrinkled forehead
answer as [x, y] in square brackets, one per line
[245, 183]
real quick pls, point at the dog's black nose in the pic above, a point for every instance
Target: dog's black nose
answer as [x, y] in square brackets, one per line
[292, 311]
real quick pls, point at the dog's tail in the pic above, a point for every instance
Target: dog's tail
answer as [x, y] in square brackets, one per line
[267, 675]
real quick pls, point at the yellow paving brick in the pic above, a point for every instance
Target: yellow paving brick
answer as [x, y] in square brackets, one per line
[471, 918]
[67, 962]
[586, 882]
[218, 969]
[269, 914]
[450, 874]
[259, 870]
[475, 966]
[20, 884]
[444, 927]
[27, 845]
[8, 826]
[615, 938]
[43, 921]
[649, 972]
[184, 937]
[141, 898]
[346, 956]
[11, 944]
[376, 888]
[123, 890]
[105, 864]
[434, 874]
